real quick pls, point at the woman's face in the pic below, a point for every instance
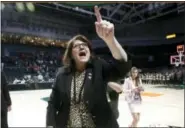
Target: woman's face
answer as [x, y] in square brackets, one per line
[134, 73]
[80, 52]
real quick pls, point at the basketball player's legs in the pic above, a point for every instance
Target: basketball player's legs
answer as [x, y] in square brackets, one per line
[135, 112]
[134, 120]
[138, 117]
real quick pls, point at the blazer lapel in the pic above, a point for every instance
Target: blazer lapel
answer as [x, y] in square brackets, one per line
[68, 79]
[87, 84]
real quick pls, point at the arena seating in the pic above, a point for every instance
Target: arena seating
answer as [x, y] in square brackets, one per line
[171, 77]
[29, 69]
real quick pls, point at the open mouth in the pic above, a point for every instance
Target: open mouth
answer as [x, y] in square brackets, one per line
[82, 54]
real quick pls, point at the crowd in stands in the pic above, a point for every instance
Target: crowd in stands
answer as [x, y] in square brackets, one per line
[40, 66]
[164, 76]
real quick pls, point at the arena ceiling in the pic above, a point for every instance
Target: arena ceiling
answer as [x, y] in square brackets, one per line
[118, 13]
[121, 13]
[64, 20]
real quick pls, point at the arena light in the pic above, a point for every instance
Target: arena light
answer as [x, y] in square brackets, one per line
[20, 7]
[30, 7]
[170, 36]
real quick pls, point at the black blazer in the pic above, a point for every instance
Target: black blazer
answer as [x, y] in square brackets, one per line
[98, 72]
[5, 96]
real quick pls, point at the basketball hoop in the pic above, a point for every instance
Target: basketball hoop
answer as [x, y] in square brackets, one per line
[178, 59]
[180, 54]
[180, 48]
[181, 58]
[177, 64]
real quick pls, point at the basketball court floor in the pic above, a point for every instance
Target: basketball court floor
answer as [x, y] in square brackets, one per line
[161, 107]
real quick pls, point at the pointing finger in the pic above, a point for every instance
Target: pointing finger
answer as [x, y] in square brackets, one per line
[97, 13]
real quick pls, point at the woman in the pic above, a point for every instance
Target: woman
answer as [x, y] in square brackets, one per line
[78, 97]
[132, 89]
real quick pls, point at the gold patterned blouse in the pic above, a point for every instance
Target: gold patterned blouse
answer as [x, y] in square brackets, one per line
[79, 115]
